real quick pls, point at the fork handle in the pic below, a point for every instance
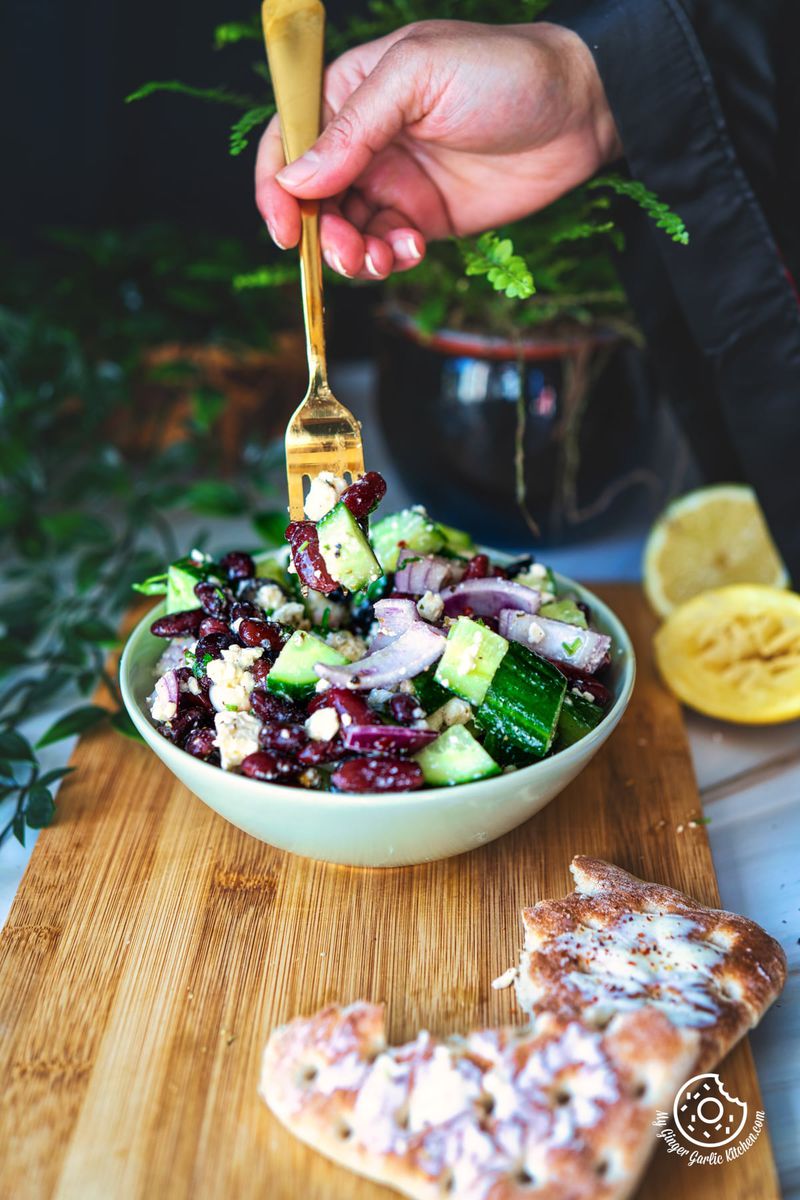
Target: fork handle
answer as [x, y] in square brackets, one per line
[294, 33]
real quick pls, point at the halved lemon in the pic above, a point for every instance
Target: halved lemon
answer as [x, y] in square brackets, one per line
[707, 539]
[734, 653]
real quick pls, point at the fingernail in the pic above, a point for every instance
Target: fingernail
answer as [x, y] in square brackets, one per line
[370, 265]
[275, 238]
[299, 171]
[335, 263]
[406, 247]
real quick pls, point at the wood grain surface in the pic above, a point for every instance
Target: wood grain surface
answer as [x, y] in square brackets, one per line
[152, 947]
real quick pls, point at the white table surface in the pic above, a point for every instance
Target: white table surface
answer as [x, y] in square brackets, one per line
[749, 780]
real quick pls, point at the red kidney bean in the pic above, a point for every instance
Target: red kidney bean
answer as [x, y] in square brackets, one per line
[212, 625]
[213, 644]
[261, 633]
[378, 775]
[267, 767]
[364, 495]
[269, 707]
[216, 600]
[238, 565]
[179, 624]
[477, 567]
[499, 573]
[314, 753]
[177, 729]
[200, 742]
[597, 690]
[243, 608]
[307, 557]
[261, 669]
[287, 739]
[346, 703]
[404, 708]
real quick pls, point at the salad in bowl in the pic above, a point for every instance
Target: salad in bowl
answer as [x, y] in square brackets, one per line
[375, 656]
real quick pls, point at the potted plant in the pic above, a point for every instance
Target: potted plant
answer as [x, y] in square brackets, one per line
[528, 406]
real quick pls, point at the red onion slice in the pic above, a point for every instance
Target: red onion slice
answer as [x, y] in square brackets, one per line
[394, 616]
[387, 739]
[488, 597]
[582, 649]
[429, 573]
[404, 657]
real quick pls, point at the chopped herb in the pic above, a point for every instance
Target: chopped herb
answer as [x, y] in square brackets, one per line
[198, 667]
[231, 708]
[702, 820]
[571, 647]
[302, 547]
[326, 620]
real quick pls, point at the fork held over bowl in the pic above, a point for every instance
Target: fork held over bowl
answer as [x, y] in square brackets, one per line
[321, 435]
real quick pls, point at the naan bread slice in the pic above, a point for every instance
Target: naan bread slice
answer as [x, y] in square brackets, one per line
[562, 1112]
[617, 944]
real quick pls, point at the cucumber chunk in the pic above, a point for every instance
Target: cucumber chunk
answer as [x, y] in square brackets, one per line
[564, 610]
[273, 569]
[455, 757]
[430, 694]
[181, 579]
[293, 673]
[578, 717]
[471, 657]
[346, 551]
[523, 702]
[413, 527]
[457, 541]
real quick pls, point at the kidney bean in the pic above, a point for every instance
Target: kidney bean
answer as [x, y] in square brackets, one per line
[477, 567]
[596, 689]
[216, 600]
[238, 565]
[378, 775]
[499, 573]
[519, 565]
[346, 703]
[314, 753]
[179, 624]
[261, 633]
[287, 739]
[404, 708]
[269, 707]
[307, 557]
[212, 625]
[267, 767]
[261, 669]
[177, 729]
[243, 608]
[364, 495]
[200, 742]
[213, 644]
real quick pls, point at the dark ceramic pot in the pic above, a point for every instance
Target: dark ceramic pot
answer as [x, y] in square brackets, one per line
[594, 438]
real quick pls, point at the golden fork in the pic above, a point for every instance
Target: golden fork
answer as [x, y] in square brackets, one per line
[322, 435]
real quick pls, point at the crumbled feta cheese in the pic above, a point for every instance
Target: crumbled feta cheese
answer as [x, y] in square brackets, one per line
[379, 697]
[349, 644]
[161, 707]
[430, 607]
[269, 596]
[292, 614]
[231, 678]
[323, 725]
[324, 493]
[318, 605]
[237, 737]
[322, 685]
[576, 691]
[535, 633]
[533, 577]
[454, 712]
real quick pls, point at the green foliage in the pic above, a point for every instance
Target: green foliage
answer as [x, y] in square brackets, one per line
[252, 119]
[658, 212]
[494, 257]
[267, 277]
[233, 32]
[214, 95]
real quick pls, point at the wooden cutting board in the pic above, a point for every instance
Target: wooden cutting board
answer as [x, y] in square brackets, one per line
[152, 947]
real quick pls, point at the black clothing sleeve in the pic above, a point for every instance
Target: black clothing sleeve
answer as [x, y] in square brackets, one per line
[707, 102]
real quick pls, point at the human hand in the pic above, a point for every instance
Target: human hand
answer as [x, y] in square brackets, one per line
[442, 128]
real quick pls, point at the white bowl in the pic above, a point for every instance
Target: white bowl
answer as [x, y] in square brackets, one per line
[387, 829]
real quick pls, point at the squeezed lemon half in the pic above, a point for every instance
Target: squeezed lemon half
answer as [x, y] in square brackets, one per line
[734, 653]
[708, 539]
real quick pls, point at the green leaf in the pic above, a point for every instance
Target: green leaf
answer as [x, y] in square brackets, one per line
[231, 32]
[660, 213]
[156, 585]
[89, 568]
[267, 277]
[54, 775]
[214, 498]
[74, 722]
[18, 827]
[247, 122]
[215, 95]
[95, 630]
[15, 747]
[40, 807]
[6, 773]
[123, 724]
[506, 271]
[270, 527]
[207, 406]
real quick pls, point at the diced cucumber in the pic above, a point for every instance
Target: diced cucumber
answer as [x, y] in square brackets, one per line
[293, 673]
[430, 694]
[471, 657]
[413, 527]
[457, 541]
[521, 708]
[564, 610]
[578, 717]
[181, 579]
[455, 757]
[274, 569]
[347, 553]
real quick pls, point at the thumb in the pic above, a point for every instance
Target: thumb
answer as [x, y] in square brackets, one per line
[373, 115]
